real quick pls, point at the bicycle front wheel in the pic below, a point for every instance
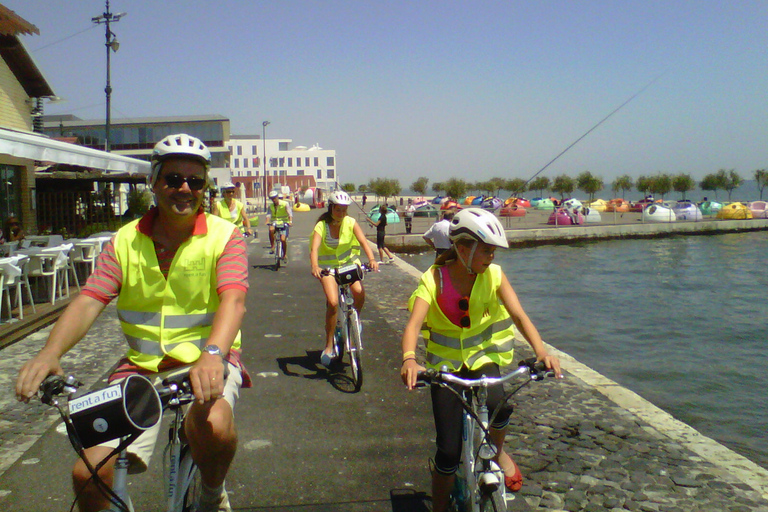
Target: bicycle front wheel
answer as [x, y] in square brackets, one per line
[354, 348]
[191, 485]
[493, 502]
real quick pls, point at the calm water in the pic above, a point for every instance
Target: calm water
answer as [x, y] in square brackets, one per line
[681, 321]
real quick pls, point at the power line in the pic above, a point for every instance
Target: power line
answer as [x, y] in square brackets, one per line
[64, 39]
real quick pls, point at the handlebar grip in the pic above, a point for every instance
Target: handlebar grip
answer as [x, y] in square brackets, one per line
[537, 368]
[55, 385]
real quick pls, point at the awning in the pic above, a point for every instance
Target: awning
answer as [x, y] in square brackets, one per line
[43, 149]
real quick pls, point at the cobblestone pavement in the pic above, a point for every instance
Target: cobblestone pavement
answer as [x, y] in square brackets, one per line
[580, 450]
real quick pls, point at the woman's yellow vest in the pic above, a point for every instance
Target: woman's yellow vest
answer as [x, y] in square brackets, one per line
[348, 249]
[279, 212]
[171, 316]
[226, 214]
[488, 339]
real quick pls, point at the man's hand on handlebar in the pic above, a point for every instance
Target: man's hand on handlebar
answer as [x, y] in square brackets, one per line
[34, 372]
[207, 377]
[553, 363]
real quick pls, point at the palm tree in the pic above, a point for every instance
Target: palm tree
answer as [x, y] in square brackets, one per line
[563, 185]
[623, 183]
[683, 183]
[589, 184]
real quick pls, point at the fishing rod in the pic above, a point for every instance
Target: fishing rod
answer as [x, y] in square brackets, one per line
[635, 95]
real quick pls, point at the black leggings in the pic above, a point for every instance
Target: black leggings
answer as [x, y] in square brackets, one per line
[447, 411]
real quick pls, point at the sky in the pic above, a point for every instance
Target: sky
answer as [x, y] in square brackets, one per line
[467, 89]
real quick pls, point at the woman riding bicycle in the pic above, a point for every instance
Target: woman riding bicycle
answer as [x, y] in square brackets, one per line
[469, 309]
[335, 242]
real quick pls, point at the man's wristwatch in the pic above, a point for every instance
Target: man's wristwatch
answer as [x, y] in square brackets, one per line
[213, 350]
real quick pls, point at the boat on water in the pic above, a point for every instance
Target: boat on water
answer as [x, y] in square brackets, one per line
[759, 209]
[659, 213]
[687, 210]
[710, 207]
[734, 211]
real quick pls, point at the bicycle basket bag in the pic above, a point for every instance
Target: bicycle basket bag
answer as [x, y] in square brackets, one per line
[349, 274]
[120, 410]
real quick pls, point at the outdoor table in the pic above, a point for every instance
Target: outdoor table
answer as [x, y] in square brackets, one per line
[7, 249]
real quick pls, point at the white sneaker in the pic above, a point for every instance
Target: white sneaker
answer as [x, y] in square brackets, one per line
[220, 504]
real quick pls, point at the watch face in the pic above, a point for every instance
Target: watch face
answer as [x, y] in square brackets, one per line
[213, 350]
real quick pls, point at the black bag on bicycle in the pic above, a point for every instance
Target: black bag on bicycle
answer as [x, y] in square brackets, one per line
[349, 274]
[129, 407]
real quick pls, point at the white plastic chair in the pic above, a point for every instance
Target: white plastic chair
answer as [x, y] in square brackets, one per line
[16, 278]
[84, 253]
[42, 265]
[63, 267]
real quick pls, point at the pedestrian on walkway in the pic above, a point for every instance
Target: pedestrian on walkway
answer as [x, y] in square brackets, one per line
[468, 308]
[385, 255]
[365, 198]
[231, 209]
[180, 277]
[335, 242]
[437, 236]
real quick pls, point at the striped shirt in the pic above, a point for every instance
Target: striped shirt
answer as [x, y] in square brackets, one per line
[107, 278]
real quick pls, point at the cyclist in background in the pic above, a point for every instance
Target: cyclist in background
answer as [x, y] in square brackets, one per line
[231, 209]
[470, 312]
[335, 242]
[180, 277]
[279, 210]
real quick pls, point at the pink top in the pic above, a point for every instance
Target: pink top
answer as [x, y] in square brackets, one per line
[449, 298]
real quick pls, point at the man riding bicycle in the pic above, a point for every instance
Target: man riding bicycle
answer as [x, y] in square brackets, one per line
[279, 212]
[180, 277]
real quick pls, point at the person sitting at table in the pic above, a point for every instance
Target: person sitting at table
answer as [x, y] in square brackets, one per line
[14, 229]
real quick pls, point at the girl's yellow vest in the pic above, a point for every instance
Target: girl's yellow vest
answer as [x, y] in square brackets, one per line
[279, 212]
[226, 214]
[348, 249]
[171, 316]
[488, 339]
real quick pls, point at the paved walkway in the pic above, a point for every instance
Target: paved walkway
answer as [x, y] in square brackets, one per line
[307, 443]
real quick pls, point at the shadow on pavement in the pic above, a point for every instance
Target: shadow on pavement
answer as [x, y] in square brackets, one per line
[408, 500]
[308, 367]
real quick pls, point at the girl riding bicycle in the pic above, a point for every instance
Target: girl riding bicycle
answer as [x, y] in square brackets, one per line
[335, 242]
[469, 308]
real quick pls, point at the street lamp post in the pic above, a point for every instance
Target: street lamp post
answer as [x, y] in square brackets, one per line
[264, 157]
[111, 44]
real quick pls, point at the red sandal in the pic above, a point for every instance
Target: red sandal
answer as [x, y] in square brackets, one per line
[515, 482]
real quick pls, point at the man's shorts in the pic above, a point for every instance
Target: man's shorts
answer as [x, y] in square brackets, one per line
[140, 451]
[286, 230]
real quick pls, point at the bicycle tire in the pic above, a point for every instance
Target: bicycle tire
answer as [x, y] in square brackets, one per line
[278, 253]
[191, 482]
[354, 348]
[493, 502]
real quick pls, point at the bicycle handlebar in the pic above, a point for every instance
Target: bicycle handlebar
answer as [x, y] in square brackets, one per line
[536, 370]
[332, 271]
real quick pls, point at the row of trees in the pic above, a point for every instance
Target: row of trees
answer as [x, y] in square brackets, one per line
[659, 185]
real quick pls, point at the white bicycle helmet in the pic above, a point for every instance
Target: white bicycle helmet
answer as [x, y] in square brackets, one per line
[180, 144]
[340, 197]
[227, 185]
[478, 224]
[273, 194]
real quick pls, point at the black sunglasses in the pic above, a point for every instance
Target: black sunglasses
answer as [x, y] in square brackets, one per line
[464, 306]
[175, 180]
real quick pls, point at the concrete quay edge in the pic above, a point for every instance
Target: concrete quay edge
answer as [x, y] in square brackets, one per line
[732, 464]
[570, 234]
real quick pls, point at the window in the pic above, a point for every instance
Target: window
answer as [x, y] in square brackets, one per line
[239, 150]
[316, 162]
[256, 162]
[245, 162]
[306, 162]
[329, 161]
[256, 173]
[319, 173]
[300, 173]
[254, 150]
[283, 146]
[282, 162]
[283, 173]
[237, 163]
[273, 162]
[330, 173]
[290, 162]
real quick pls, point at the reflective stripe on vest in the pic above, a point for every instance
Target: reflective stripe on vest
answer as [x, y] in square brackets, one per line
[346, 252]
[170, 316]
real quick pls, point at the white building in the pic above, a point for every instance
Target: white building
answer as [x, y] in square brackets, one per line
[247, 152]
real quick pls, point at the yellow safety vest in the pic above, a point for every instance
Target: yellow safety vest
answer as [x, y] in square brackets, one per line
[172, 316]
[279, 212]
[488, 339]
[346, 252]
[226, 214]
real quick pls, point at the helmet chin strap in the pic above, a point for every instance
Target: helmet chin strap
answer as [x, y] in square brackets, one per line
[468, 263]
